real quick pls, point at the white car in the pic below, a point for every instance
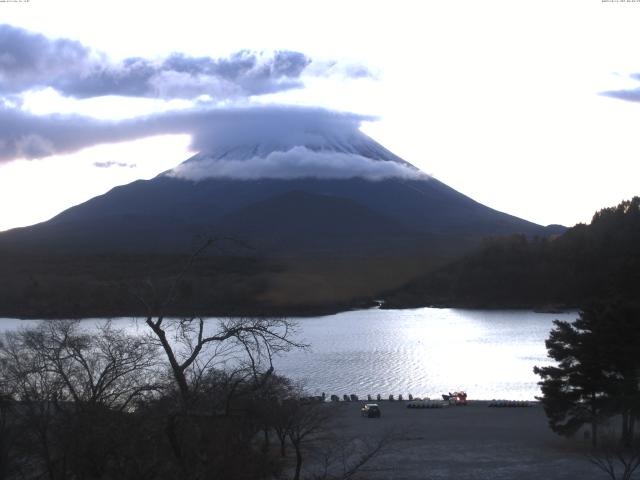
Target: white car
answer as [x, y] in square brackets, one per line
[371, 410]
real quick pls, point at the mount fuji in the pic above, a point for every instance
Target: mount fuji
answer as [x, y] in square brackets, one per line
[309, 189]
[323, 217]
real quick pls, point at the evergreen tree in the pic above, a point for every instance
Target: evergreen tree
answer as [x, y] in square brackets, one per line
[597, 373]
[573, 392]
[618, 331]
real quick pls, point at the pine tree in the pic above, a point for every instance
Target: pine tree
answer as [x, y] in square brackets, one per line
[573, 392]
[618, 331]
[597, 373]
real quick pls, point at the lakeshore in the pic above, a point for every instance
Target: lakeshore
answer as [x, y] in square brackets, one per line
[424, 352]
[464, 442]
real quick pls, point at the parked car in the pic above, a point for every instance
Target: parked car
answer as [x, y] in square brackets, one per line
[371, 410]
[456, 398]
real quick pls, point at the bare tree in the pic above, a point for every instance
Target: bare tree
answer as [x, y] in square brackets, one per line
[198, 345]
[8, 431]
[619, 460]
[102, 403]
[306, 422]
[344, 458]
[34, 393]
[210, 359]
[69, 388]
[193, 345]
[107, 367]
[281, 419]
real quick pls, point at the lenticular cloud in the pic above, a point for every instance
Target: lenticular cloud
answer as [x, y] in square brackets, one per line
[298, 162]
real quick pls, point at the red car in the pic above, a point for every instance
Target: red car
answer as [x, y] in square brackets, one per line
[456, 398]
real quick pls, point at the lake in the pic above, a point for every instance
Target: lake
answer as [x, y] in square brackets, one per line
[424, 351]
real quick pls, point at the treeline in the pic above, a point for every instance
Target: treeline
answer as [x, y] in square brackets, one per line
[38, 284]
[56, 285]
[587, 262]
[183, 399]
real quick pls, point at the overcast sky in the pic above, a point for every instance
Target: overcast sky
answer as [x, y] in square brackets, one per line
[530, 107]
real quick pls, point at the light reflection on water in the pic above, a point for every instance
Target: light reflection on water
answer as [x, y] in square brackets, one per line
[425, 351]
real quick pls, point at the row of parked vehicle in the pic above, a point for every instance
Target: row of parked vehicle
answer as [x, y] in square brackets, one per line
[345, 398]
[509, 403]
[425, 404]
[354, 398]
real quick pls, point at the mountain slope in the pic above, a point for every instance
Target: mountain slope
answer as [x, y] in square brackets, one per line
[325, 219]
[165, 214]
[312, 223]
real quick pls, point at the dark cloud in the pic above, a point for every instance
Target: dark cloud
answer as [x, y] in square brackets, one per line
[629, 95]
[632, 95]
[243, 74]
[24, 135]
[30, 60]
[270, 127]
[245, 143]
[131, 78]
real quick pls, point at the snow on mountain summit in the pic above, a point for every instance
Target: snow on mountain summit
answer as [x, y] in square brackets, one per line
[307, 154]
[352, 142]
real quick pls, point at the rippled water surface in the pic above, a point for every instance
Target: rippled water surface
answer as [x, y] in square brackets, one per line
[425, 351]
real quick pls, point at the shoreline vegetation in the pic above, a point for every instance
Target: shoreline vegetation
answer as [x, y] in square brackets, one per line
[311, 313]
[586, 263]
[57, 285]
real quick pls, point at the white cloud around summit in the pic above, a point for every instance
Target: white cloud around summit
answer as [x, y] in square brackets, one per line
[298, 162]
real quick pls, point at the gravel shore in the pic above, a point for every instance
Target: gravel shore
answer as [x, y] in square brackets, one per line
[465, 442]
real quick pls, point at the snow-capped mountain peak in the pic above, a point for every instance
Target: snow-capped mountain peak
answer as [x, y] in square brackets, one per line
[306, 154]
